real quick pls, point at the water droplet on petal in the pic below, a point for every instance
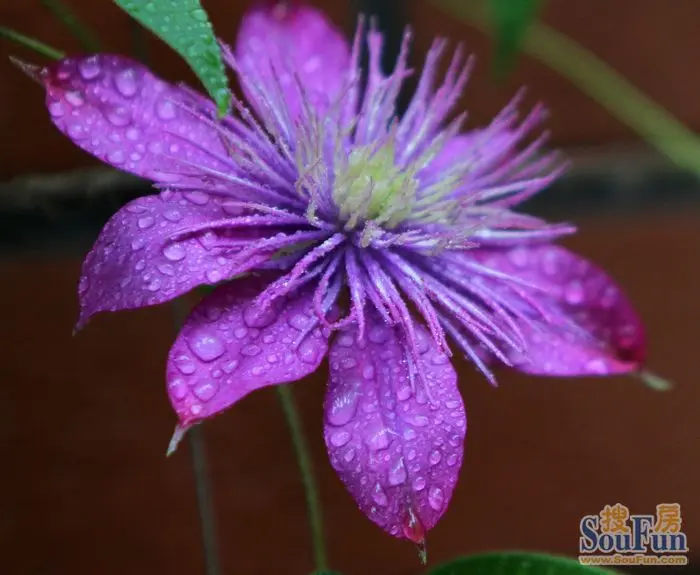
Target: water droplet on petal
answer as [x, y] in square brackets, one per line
[145, 222]
[230, 366]
[378, 334]
[174, 252]
[206, 390]
[89, 68]
[138, 244]
[343, 407]
[172, 216]
[140, 265]
[206, 346]
[178, 389]
[340, 438]
[198, 198]
[452, 460]
[308, 351]
[116, 157]
[378, 496]
[418, 484]
[255, 316]
[596, 366]
[349, 455]
[403, 393]
[435, 458]
[125, 81]
[74, 98]
[368, 372]
[185, 365]
[240, 332]
[250, 350]
[397, 474]
[436, 498]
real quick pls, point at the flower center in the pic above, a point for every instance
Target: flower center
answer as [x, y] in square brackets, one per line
[369, 186]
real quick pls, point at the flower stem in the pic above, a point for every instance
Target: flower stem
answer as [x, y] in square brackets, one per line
[207, 523]
[31, 43]
[313, 501]
[195, 438]
[602, 83]
[80, 31]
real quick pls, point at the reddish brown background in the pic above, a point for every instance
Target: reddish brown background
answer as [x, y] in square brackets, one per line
[85, 487]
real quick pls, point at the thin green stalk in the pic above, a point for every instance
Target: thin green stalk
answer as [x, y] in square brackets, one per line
[601, 82]
[31, 43]
[81, 32]
[205, 507]
[313, 501]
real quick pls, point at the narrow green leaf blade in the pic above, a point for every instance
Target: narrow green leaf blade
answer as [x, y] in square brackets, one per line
[516, 563]
[185, 27]
[510, 20]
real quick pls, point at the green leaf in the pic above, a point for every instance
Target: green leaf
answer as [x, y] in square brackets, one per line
[516, 563]
[510, 20]
[185, 27]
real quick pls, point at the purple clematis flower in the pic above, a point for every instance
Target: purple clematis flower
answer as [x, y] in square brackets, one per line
[363, 236]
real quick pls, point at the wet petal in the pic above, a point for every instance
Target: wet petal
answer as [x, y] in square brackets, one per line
[144, 256]
[292, 40]
[594, 330]
[115, 109]
[229, 347]
[396, 446]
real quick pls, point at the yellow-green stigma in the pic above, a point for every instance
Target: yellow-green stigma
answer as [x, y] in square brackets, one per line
[369, 186]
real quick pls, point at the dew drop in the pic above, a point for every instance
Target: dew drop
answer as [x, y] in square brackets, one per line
[343, 407]
[596, 366]
[409, 434]
[89, 68]
[145, 222]
[434, 458]
[125, 81]
[452, 460]
[213, 276]
[574, 293]
[206, 346]
[174, 252]
[418, 484]
[119, 116]
[75, 99]
[197, 198]
[138, 244]
[377, 437]
[172, 216]
[397, 474]
[348, 362]
[206, 390]
[177, 389]
[250, 350]
[255, 316]
[340, 438]
[436, 498]
[116, 157]
[154, 285]
[300, 322]
[378, 496]
[349, 455]
[378, 334]
[308, 351]
[240, 332]
[140, 265]
[56, 109]
[185, 365]
[368, 372]
[230, 366]
[166, 269]
[403, 393]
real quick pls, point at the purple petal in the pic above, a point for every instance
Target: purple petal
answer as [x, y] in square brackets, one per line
[293, 41]
[145, 256]
[396, 440]
[229, 346]
[592, 328]
[115, 109]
